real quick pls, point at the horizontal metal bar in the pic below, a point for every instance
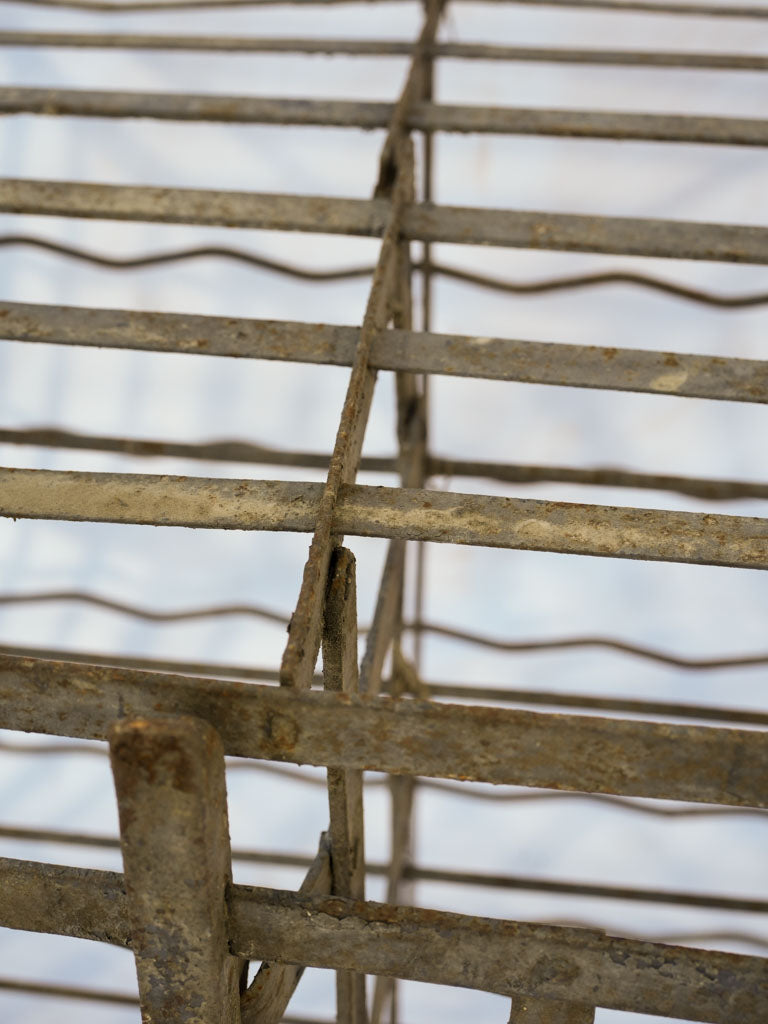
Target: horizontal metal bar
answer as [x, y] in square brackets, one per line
[438, 516]
[533, 362]
[422, 945]
[88, 995]
[424, 116]
[385, 48]
[418, 873]
[630, 236]
[597, 755]
[651, 809]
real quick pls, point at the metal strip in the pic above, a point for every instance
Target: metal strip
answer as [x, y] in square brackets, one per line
[386, 48]
[533, 362]
[422, 116]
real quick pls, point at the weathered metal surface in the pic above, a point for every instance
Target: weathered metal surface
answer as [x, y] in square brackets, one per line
[268, 995]
[438, 516]
[504, 957]
[545, 1011]
[578, 753]
[81, 903]
[512, 959]
[385, 618]
[384, 48]
[345, 786]
[305, 629]
[172, 801]
[195, 206]
[562, 232]
[536, 362]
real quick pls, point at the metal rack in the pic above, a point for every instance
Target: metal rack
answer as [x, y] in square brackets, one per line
[192, 931]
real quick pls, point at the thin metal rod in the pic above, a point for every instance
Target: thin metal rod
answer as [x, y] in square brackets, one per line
[270, 992]
[148, 614]
[418, 873]
[386, 48]
[394, 187]
[34, 988]
[422, 116]
[438, 516]
[454, 691]
[248, 452]
[560, 283]
[641, 6]
[88, 995]
[629, 236]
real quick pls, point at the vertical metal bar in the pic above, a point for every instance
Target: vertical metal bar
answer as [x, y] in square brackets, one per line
[548, 1011]
[169, 778]
[411, 432]
[345, 786]
[395, 175]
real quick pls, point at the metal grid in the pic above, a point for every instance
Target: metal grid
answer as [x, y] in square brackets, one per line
[192, 932]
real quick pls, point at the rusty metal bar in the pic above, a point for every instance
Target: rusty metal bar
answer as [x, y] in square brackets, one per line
[699, 764]
[345, 786]
[418, 873]
[506, 957]
[437, 947]
[631, 236]
[171, 797]
[304, 632]
[266, 998]
[423, 116]
[534, 362]
[386, 48]
[438, 516]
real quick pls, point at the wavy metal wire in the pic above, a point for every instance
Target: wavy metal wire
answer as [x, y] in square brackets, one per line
[555, 284]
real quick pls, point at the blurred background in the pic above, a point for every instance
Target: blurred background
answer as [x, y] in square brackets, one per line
[691, 611]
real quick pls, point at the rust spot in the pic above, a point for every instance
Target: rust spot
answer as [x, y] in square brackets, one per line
[609, 353]
[670, 359]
